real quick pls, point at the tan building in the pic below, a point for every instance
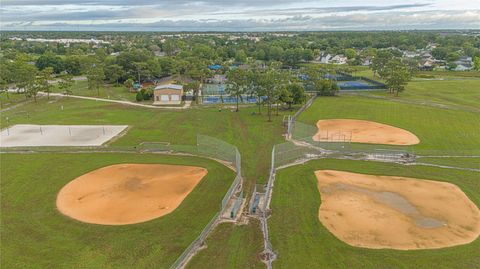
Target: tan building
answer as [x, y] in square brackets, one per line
[170, 94]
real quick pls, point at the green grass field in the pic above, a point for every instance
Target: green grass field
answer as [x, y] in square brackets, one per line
[441, 131]
[296, 233]
[231, 246]
[11, 99]
[29, 217]
[454, 90]
[303, 242]
[252, 134]
[36, 235]
[108, 91]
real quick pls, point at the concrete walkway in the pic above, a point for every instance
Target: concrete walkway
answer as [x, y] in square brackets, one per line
[185, 106]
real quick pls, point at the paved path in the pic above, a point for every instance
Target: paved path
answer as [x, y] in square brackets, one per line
[185, 106]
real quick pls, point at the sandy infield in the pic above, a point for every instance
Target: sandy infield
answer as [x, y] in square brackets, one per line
[363, 131]
[128, 193]
[395, 212]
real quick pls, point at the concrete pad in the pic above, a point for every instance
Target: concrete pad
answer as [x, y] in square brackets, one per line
[30, 135]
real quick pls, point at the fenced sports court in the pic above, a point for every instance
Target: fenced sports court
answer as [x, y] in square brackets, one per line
[216, 94]
[347, 82]
[30, 135]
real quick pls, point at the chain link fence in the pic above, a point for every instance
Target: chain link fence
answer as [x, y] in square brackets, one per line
[220, 150]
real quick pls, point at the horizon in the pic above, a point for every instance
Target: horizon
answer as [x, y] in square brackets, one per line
[238, 16]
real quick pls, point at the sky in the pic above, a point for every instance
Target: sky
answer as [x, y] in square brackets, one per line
[238, 15]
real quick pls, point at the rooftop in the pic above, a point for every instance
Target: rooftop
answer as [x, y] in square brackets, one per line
[169, 86]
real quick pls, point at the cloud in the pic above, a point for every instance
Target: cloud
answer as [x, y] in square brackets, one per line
[238, 15]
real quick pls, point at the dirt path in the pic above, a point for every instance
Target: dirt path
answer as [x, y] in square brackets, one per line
[185, 106]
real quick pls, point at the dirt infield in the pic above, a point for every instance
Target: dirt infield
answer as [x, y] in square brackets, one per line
[363, 131]
[395, 212]
[128, 193]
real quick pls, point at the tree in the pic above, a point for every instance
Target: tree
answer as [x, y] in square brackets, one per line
[297, 93]
[139, 96]
[452, 56]
[114, 72]
[147, 93]
[271, 83]
[193, 86]
[141, 70]
[95, 77]
[254, 89]
[240, 56]
[4, 86]
[260, 55]
[440, 53]
[350, 53]
[317, 82]
[24, 77]
[43, 81]
[73, 64]
[198, 70]
[169, 47]
[398, 76]
[5, 75]
[292, 57]
[236, 85]
[129, 84]
[49, 59]
[66, 83]
[476, 63]
[286, 96]
[380, 60]
[307, 55]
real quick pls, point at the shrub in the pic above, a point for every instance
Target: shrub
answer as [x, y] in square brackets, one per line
[139, 96]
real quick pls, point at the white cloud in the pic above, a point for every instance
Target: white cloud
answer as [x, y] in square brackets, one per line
[238, 15]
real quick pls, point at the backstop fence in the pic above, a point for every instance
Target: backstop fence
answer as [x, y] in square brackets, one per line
[211, 148]
[308, 139]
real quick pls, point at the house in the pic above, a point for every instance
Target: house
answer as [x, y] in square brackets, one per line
[367, 61]
[462, 67]
[464, 63]
[427, 55]
[339, 59]
[169, 94]
[325, 59]
[410, 54]
[426, 65]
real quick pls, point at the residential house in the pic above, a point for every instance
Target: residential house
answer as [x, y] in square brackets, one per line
[464, 63]
[339, 59]
[410, 54]
[325, 59]
[426, 65]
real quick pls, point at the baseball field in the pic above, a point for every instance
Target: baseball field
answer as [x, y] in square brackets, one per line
[311, 228]
[36, 234]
